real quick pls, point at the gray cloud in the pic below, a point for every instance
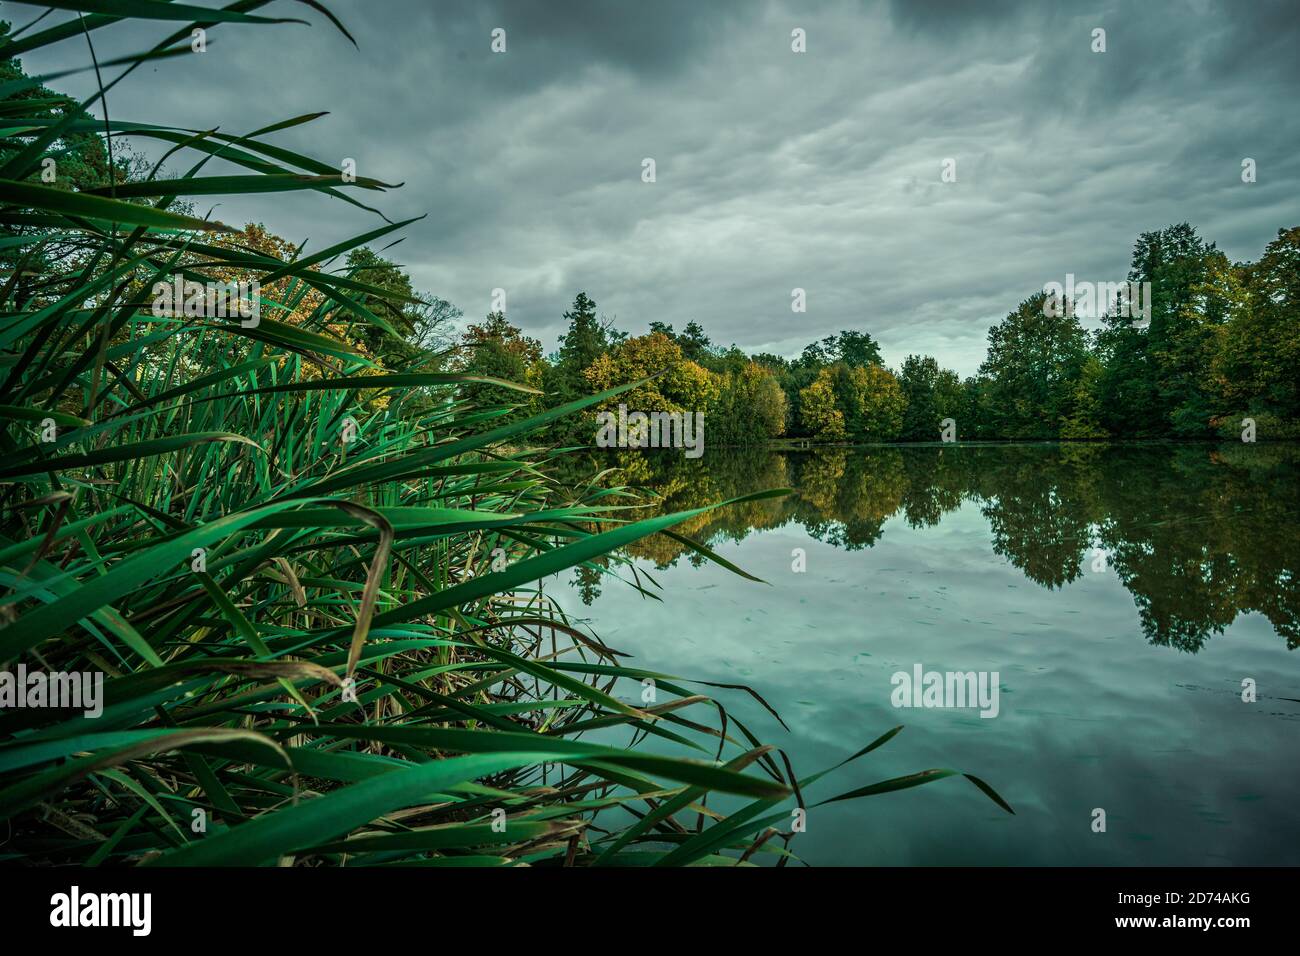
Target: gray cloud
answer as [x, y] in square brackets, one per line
[775, 170]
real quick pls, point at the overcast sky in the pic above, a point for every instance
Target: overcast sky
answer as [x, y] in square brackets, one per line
[775, 170]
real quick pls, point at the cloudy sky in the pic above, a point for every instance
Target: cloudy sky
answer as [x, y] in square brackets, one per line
[774, 169]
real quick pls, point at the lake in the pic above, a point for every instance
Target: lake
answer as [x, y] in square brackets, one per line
[1122, 594]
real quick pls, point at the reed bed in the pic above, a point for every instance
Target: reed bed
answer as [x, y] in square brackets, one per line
[313, 582]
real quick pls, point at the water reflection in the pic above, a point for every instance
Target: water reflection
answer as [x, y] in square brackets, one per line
[1196, 533]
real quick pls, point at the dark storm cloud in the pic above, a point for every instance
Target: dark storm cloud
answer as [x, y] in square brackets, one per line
[564, 38]
[775, 170]
[953, 17]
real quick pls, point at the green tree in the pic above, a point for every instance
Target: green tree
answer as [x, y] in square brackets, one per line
[423, 323]
[858, 403]
[1084, 421]
[497, 349]
[694, 342]
[1256, 364]
[1033, 364]
[773, 363]
[80, 158]
[79, 161]
[819, 411]
[871, 400]
[794, 379]
[932, 394]
[585, 340]
[679, 384]
[587, 336]
[975, 420]
[855, 349]
[1156, 377]
[750, 407]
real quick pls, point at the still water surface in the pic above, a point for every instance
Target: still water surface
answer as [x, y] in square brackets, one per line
[1122, 594]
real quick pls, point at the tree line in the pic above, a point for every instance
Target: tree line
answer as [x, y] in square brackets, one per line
[1221, 343]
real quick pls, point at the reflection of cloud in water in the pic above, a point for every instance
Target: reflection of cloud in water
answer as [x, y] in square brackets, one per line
[981, 558]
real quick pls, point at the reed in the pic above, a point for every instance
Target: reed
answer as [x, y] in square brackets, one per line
[313, 581]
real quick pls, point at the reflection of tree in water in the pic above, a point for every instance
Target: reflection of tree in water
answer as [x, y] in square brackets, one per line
[1043, 527]
[935, 483]
[844, 497]
[671, 482]
[587, 577]
[1258, 517]
[1197, 533]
